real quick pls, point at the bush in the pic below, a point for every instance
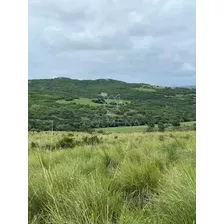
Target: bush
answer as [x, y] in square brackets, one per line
[161, 137]
[33, 145]
[91, 140]
[99, 101]
[68, 98]
[100, 131]
[161, 127]
[150, 127]
[66, 142]
[151, 124]
[176, 123]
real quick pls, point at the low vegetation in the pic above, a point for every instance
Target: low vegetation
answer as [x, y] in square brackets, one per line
[119, 178]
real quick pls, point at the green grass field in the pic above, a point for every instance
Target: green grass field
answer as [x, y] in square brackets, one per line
[122, 178]
[128, 129]
[149, 88]
[84, 101]
[145, 89]
[143, 128]
[87, 101]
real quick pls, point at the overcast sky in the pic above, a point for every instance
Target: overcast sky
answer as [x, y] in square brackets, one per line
[150, 41]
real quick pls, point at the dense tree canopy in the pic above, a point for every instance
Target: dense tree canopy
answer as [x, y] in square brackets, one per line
[68, 104]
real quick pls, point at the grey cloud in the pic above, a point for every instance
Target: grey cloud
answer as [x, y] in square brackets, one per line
[149, 40]
[57, 39]
[149, 30]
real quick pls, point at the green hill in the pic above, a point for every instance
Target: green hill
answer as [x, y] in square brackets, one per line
[77, 105]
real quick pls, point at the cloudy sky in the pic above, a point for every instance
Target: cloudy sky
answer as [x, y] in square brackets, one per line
[150, 41]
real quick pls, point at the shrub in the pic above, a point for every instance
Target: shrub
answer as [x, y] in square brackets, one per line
[176, 123]
[161, 137]
[100, 131]
[66, 142]
[151, 124]
[99, 101]
[149, 129]
[161, 127]
[33, 145]
[91, 140]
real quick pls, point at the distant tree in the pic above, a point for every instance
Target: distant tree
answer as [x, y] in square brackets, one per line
[149, 129]
[99, 101]
[176, 123]
[151, 124]
[68, 98]
[161, 127]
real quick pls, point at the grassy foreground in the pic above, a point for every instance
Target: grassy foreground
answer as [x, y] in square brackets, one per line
[124, 178]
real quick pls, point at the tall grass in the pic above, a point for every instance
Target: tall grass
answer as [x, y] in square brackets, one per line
[133, 178]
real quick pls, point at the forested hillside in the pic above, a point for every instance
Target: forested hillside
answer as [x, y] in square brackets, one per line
[79, 105]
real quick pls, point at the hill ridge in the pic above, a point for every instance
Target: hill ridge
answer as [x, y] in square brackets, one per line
[74, 104]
